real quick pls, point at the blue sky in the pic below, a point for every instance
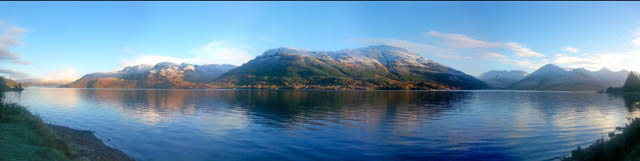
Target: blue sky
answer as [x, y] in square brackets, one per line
[65, 40]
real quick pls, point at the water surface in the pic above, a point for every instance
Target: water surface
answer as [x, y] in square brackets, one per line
[169, 125]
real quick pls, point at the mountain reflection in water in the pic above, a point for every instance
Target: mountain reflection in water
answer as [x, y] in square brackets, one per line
[334, 125]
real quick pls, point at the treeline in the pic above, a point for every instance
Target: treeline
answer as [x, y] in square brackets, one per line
[620, 146]
[632, 84]
[7, 84]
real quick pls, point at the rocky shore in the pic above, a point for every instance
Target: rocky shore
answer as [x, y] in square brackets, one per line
[87, 147]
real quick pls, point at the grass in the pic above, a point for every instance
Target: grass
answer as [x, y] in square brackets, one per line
[25, 137]
[620, 146]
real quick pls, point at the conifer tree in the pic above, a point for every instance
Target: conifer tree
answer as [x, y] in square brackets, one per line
[632, 84]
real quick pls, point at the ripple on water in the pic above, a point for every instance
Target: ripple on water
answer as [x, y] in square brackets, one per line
[333, 125]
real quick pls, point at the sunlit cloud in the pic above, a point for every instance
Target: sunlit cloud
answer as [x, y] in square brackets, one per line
[13, 74]
[150, 60]
[66, 74]
[461, 41]
[463, 48]
[595, 61]
[636, 40]
[493, 55]
[452, 56]
[529, 64]
[571, 49]
[575, 60]
[521, 51]
[220, 52]
[9, 38]
[460, 47]
[411, 46]
[216, 52]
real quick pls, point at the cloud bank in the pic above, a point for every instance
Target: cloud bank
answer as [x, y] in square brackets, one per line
[9, 38]
[460, 47]
[571, 49]
[13, 74]
[215, 52]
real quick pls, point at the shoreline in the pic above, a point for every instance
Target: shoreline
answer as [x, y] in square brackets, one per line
[315, 89]
[86, 146]
[25, 136]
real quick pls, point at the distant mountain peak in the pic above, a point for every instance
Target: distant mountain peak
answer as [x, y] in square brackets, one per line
[605, 69]
[161, 75]
[283, 50]
[552, 67]
[501, 79]
[548, 70]
[387, 47]
[165, 64]
[581, 70]
[369, 66]
[552, 77]
[382, 47]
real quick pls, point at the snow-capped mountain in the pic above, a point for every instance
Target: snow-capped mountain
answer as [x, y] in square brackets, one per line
[610, 78]
[373, 67]
[552, 77]
[161, 75]
[373, 56]
[501, 79]
[377, 67]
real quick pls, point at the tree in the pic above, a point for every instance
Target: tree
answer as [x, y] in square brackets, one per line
[632, 84]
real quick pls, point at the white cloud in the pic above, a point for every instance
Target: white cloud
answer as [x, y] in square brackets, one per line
[521, 51]
[452, 56]
[151, 60]
[219, 52]
[462, 47]
[429, 51]
[411, 46]
[595, 61]
[463, 41]
[571, 49]
[13, 74]
[460, 40]
[216, 52]
[493, 55]
[67, 74]
[458, 46]
[636, 40]
[9, 36]
[529, 64]
[573, 60]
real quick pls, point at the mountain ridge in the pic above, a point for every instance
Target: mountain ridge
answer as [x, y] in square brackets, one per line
[372, 67]
[7, 84]
[501, 79]
[554, 78]
[161, 75]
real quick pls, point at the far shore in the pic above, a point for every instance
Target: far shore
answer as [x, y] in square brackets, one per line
[316, 89]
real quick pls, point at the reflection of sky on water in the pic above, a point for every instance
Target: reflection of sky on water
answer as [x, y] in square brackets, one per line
[334, 125]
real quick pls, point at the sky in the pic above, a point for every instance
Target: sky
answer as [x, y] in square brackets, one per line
[65, 40]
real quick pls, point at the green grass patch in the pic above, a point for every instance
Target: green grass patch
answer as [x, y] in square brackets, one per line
[25, 137]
